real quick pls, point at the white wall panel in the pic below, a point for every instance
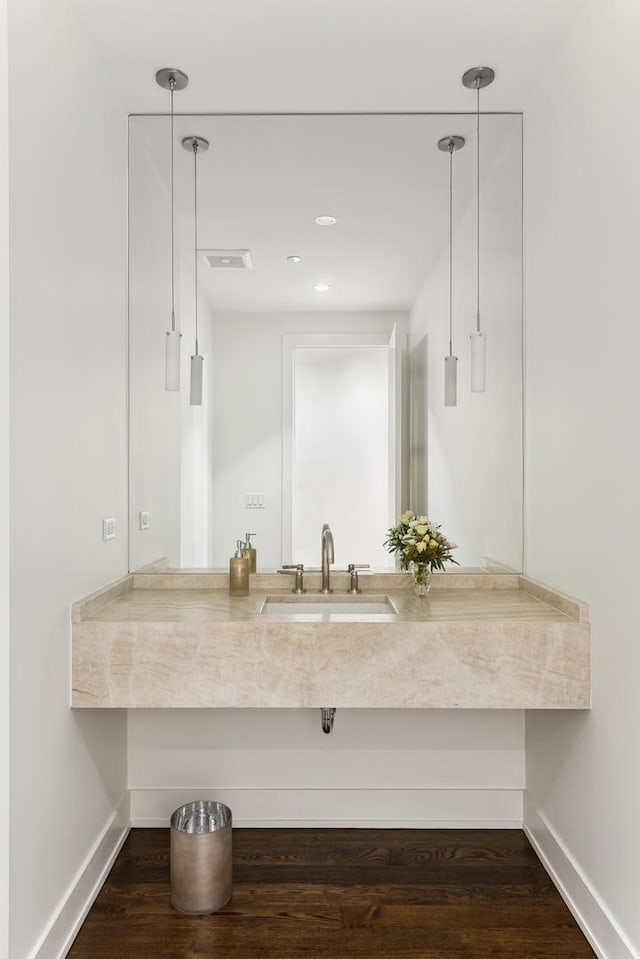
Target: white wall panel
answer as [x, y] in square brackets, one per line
[68, 444]
[473, 451]
[4, 486]
[446, 765]
[582, 209]
[246, 428]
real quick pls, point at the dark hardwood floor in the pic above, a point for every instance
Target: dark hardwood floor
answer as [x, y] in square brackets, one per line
[341, 894]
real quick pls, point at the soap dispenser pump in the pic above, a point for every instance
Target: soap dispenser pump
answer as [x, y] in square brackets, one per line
[250, 551]
[239, 571]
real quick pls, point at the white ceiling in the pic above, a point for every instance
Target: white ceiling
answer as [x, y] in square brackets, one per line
[264, 180]
[313, 55]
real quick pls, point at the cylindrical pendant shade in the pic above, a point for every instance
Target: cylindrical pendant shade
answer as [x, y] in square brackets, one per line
[478, 362]
[172, 361]
[195, 392]
[450, 380]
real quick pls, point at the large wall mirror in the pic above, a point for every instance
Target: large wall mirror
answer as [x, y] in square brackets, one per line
[324, 405]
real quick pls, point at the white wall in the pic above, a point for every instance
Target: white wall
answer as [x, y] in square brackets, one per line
[170, 473]
[276, 766]
[4, 486]
[68, 450]
[582, 209]
[193, 447]
[340, 451]
[155, 414]
[474, 450]
[246, 427]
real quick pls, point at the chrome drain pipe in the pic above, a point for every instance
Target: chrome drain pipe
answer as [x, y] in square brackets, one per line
[327, 716]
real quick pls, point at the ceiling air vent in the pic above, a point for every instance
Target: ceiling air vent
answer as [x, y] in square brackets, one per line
[228, 259]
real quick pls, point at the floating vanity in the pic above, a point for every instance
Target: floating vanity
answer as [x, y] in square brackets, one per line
[478, 641]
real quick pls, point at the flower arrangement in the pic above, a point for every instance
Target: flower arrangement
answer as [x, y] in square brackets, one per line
[419, 542]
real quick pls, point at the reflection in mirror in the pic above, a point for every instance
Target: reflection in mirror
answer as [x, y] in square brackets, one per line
[208, 474]
[339, 436]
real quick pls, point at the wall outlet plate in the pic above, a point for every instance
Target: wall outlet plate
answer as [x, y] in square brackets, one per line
[109, 528]
[144, 519]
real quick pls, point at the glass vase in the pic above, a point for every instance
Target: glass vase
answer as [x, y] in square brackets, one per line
[421, 579]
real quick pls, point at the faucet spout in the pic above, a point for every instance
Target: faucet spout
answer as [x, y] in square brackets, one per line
[327, 557]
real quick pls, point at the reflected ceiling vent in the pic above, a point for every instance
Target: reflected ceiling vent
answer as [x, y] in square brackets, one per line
[228, 259]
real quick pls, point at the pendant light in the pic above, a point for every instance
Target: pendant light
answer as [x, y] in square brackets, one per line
[195, 145]
[450, 145]
[475, 79]
[171, 79]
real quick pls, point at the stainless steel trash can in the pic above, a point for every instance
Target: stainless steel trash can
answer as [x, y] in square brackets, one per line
[200, 854]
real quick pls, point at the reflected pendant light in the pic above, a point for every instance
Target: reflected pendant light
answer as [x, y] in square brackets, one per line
[449, 145]
[475, 79]
[171, 79]
[195, 145]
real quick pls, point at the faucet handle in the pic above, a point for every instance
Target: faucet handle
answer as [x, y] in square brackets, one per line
[298, 569]
[352, 569]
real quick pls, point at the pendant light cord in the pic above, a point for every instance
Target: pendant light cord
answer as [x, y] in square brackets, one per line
[195, 234]
[478, 205]
[172, 83]
[450, 248]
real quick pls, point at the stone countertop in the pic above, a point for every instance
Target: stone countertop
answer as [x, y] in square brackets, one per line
[477, 641]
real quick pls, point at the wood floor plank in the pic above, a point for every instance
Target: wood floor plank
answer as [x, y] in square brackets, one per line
[275, 940]
[270, 941]
[475, 916]
[328, 894]
[273, 898]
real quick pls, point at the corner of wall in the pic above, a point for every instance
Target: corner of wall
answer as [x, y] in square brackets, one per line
[79, 896]
[600, 928]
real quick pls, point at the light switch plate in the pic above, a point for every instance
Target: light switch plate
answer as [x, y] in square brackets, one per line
[108, 528]
[144, 519]
[254, 501]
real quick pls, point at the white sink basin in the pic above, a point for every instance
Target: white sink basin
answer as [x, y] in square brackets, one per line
[318, 606]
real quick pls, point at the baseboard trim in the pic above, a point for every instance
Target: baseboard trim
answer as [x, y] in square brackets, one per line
[63, 927]
[605, 936]
[363, 807]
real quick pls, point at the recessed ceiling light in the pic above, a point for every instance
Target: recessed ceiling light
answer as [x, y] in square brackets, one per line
[321, 287]
[325, 220]
[294, 259]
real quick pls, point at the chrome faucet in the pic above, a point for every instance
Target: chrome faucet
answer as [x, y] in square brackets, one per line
[327, 557]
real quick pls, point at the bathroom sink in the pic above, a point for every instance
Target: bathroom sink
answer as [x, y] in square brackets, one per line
[316, 606]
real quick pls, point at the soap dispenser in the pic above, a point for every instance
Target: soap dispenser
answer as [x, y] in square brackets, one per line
[239, 571]
[250, 551]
